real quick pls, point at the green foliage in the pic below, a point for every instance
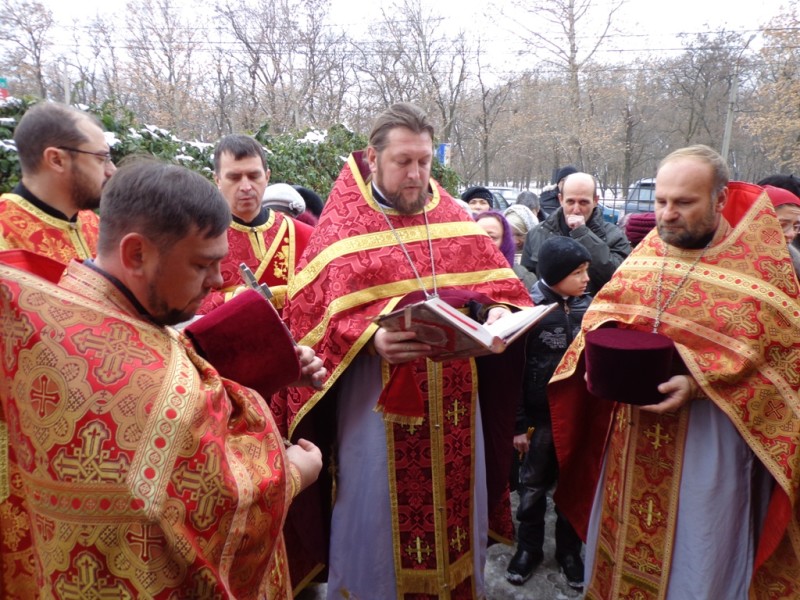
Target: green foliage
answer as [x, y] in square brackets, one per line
[309, 158]
[10, 113]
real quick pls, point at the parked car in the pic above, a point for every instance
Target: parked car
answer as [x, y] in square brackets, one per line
[504, 197]
[641, 198]
[610, 215]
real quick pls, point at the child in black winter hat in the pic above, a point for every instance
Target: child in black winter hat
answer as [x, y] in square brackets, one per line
[564, 275]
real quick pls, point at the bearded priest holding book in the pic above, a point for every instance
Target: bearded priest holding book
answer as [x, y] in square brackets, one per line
[421, 463]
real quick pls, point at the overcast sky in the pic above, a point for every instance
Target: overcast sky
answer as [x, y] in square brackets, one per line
[651, 25]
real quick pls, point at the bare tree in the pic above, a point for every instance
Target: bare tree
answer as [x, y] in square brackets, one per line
[163, 43]
[566, 34]
[775, 118]
[411, 58]
[293, 66]
[26, 24]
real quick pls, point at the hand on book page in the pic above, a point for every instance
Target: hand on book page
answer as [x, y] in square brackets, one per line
[452, 334]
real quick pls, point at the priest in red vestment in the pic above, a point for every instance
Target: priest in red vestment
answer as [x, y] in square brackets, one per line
[696, 495]
[267, 241]
[146, 474]
[421, 451]
[65, 162]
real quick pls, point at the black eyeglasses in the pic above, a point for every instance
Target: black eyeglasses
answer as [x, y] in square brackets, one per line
[106, 156]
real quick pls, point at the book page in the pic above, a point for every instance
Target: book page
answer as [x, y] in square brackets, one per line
[507, 326]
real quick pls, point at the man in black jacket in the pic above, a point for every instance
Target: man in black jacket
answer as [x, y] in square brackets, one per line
[579, 218]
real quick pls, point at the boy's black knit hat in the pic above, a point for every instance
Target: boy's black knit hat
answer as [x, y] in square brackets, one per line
[559, 256]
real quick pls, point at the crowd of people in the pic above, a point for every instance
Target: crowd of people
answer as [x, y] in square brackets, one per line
[154, 445]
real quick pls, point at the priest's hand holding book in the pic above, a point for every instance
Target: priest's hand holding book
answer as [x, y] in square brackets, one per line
[434, 329]
[399, 346]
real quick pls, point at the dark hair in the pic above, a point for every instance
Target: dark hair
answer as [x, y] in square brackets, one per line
[402, 114]
[161, 201]
[529, 200]
[507, 245]
[239, 146]
[790, 183]
[45, 125]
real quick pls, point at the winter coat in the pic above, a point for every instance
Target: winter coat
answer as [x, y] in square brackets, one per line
[605, 242]
[547, 342]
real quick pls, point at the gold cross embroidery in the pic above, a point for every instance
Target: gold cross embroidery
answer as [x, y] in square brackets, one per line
[114, 349]
[87, 585]
[411, 428]
[418, 550]
[200, 479]
[649, 512]
[89, 461]
[456, 412]
[16, 329]
[656, 437]
[459, 537]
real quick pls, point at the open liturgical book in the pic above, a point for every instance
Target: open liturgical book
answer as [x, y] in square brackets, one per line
[454, 334]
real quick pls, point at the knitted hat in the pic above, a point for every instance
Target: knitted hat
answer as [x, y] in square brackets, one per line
[626, 365]
[283, 197]
[314, 203]
[520, 218]
[477, 191]
[559, 256]
[564, 171]
[638, 226]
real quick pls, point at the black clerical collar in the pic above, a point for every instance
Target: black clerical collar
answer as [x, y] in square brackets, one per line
[260, 219]
[379, 197]
[122, 288]
[21, 190]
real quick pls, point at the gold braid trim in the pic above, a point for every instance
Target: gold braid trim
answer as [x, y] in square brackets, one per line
[5, 490]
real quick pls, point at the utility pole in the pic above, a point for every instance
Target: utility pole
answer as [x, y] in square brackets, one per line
[726, 138]
[67, 91]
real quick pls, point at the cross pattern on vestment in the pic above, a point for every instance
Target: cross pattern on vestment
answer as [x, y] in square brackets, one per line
[201, 480]
[16, 328]
[145, 539]
[44, 393]
[656, 437]
[87, 585]
[115, 348]
[648, 511]
[656, 465]
[460, 536]
[456, 412]
[45, 527]
[775, 409]
[89, 462]
[411, 428]
[643, 559]
[418, 550]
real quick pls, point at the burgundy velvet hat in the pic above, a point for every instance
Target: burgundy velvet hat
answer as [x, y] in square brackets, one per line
[626, 365]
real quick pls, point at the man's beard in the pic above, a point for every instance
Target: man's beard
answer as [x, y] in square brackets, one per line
[396, 200]
[160, 312]
[83, 196]
[407, 207]
[692, 238]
